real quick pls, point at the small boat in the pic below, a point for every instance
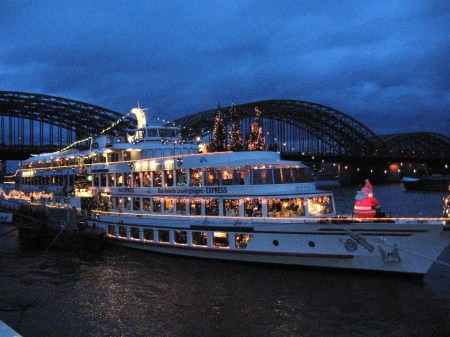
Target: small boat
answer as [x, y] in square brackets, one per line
[435, 182]
[157, 191]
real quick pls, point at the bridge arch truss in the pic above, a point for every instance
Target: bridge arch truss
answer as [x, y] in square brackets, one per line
[418, 146]
[35, 123]
[298, 127]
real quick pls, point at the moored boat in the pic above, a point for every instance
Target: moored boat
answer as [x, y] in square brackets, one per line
[434, 182]
[157, 191]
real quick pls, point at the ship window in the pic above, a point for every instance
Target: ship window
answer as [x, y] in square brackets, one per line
[164, 132]
[220, 239]
[116, 202]
[163, 235]
[146, 204]
[253, 207]
[157, 179]
[181, 237]
[241, 241]
[231, 207]
[119, 203]
[320, 205]
[103, 179]
[212, 177]
[136, 204]
[212, 207]
[200, 238]
[242, 177]
[195, 177]
[134, 233]
[262, 177]
[181, 177]
[113, 157]
[195, 207]
[168, 206]
[167, 152]
[95, 180]
[168, 178]
[157, 205]
[147, 178]
[282, 176]
[152, 132]
[126, 203]
[111, 230]
[301, 175]
[157, 152]
[110, 179]
[128, 179]
[126, 155]
[181, 206]
[286, 207]
[227, 177]
[140, 134]
[119, 179]
[137, 179]
[122, 231]
[148, 234]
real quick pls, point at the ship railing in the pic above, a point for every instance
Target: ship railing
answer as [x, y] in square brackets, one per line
[240, 221]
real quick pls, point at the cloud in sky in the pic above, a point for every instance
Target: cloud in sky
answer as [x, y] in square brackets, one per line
[384, 63]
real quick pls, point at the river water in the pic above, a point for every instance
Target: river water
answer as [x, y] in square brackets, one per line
[123, 292]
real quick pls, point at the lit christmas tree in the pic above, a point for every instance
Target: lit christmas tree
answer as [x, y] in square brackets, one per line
[236, 140]
[219, 135]
[81, 179]
[256, 140]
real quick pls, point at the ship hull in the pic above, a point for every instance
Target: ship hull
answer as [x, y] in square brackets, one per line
[426, 184]
[409, 248]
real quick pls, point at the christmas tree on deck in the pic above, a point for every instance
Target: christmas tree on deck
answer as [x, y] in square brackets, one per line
[256, 140]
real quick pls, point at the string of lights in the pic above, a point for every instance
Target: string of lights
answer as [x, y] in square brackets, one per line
[120, 120]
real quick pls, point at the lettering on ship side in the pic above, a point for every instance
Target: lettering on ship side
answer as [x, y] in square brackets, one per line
[126, 190]
[193, 190]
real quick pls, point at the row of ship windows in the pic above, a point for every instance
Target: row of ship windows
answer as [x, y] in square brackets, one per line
[107, 157]
[53, 180]
[205, 177]
[191, 177]
[180, 237]
[272, 207]
[118, 156]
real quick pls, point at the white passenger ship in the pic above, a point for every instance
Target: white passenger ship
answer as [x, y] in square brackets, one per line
[161, 194]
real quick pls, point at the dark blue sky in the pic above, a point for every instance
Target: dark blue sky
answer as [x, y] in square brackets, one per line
[385, 63]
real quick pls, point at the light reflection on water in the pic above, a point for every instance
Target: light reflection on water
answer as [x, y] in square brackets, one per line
[132, 293]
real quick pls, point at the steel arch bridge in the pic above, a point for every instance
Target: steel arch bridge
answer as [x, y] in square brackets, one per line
[32, 123]
[418, 146]
[304, 130]
[299, 127]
